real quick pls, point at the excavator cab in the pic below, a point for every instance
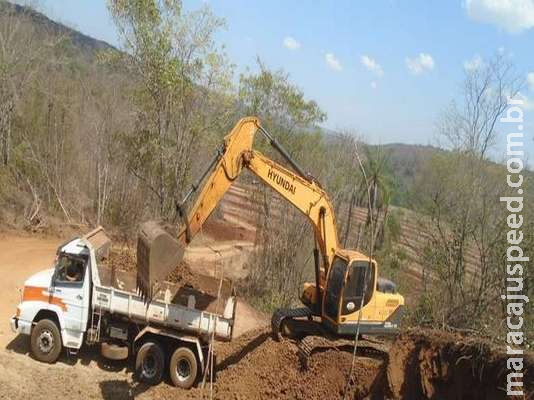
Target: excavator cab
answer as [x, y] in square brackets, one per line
[354, 302]
[349, 286]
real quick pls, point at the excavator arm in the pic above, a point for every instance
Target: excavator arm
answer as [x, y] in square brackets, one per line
[237, 154]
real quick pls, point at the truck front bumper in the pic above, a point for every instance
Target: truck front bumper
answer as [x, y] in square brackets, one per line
[20, 326]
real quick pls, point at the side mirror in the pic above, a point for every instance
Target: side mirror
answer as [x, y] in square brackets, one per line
[53, 280]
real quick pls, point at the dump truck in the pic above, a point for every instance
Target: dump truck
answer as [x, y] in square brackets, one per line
[80, 301]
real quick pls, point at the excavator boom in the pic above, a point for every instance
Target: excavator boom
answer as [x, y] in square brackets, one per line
[159, 253]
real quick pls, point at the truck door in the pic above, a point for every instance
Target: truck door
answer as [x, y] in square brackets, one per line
[71, 286]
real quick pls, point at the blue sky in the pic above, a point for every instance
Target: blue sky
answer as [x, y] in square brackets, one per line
[385, 68]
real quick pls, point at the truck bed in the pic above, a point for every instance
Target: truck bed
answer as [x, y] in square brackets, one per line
[116, 299]
[205, 297]
[177, 307]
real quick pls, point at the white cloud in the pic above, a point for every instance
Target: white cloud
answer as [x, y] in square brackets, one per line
[528, 103]
[474, 63]
[419, 64]
[373, 84]
[372, 65]
[530, 80]
[514, 16]
[291, 43]
[333, 62]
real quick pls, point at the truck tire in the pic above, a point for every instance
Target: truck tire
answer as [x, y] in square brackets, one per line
[183, 367]
[150, 363]
[45, 341]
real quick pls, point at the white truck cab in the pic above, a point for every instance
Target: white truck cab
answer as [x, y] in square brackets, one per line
[61, 294]
[67, 306]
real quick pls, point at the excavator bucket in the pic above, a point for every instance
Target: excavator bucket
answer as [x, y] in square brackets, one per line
[158, 254]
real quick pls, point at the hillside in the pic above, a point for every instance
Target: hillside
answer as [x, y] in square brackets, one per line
[84, 44]
[405, 160]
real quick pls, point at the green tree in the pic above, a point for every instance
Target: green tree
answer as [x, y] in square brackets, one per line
[293, 120]
[274, 98]
[183, 83]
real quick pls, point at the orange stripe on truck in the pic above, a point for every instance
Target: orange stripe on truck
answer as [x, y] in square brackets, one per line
[34, 293]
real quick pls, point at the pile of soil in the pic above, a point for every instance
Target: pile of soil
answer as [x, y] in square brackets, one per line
[124, 259]
[183, 276]
[258, 367]
[121, 259]
[421, 365]
[254, 366]
[119, 270]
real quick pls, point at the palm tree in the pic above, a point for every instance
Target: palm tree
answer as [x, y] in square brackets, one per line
[376, 185]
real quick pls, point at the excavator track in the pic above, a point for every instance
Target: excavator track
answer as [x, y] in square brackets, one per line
[366, 348]
[284, 314]
[298, 324]
[304, 350]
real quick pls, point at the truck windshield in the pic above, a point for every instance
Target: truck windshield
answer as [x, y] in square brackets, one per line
[69, 268]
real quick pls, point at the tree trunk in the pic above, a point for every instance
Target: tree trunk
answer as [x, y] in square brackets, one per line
[349, 219]
[6, 111]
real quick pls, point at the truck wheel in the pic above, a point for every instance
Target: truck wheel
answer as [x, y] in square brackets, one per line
[45, 341]
[183, 367]
[150, 363]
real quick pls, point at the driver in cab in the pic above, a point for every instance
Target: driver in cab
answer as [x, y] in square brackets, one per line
[70, 269]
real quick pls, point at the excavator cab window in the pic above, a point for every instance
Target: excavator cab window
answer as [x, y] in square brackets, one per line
[360, 278]
[334, 287]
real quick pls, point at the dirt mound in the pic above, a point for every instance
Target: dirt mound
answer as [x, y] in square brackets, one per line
[121, 259]
[262, 368]
[421, 365]
[182, 275]
[254, 366]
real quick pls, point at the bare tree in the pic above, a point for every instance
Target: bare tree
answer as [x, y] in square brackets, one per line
[21, 56]
[459, 191]
[471, 125]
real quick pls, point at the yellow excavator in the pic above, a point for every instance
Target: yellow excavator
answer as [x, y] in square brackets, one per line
[347, 296]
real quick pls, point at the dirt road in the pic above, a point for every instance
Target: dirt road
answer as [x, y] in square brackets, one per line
[20, 257]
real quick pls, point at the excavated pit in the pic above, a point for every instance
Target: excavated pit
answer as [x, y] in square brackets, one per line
[438, 365]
